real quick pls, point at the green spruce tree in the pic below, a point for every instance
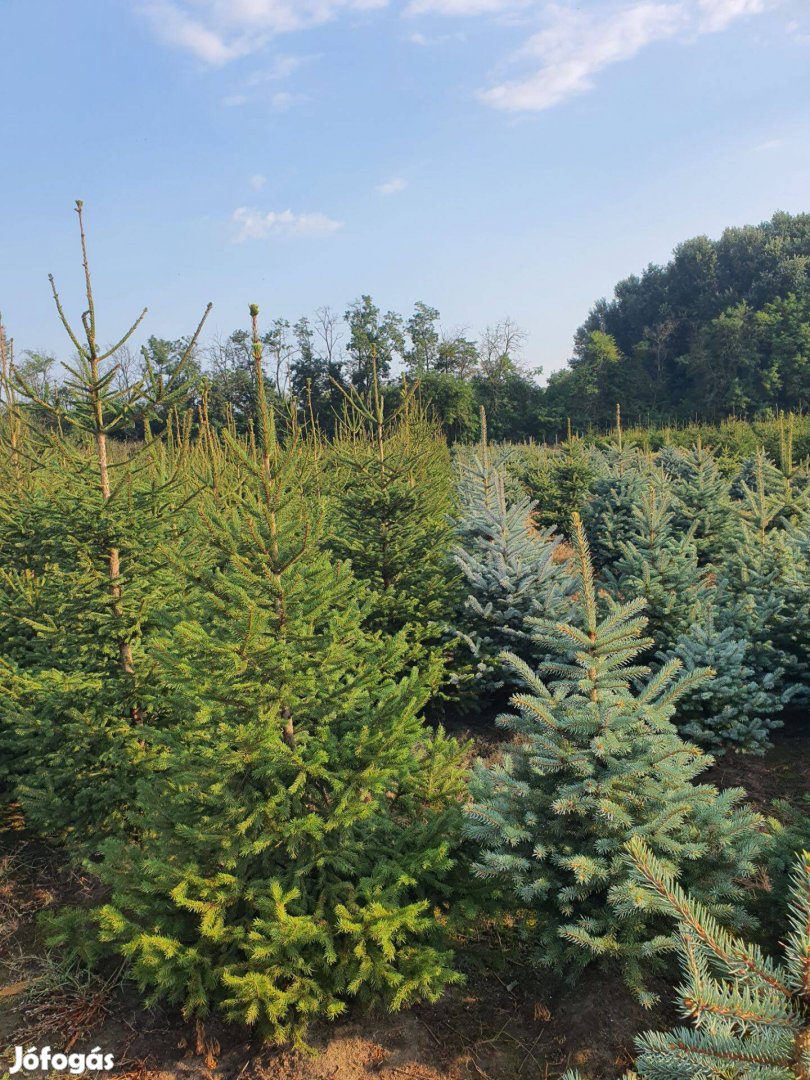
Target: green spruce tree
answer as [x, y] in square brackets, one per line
[294, 847]
[557, 479]
[80, 586]
[391, 487]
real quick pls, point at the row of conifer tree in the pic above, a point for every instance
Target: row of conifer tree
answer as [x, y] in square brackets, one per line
[223, 665]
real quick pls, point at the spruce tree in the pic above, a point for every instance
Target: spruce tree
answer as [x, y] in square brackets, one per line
[788, 832]
[703, 500]
[294, 847]
[11, 428]
[793, 634]
[750, 1013]
[764, 588]
[623, 476]
[785, 485]
[738, 708]
[760, 469]
[557, 479]
[391, 486]
[596, 761]
[510, 568]
[658, 561]
[81, 580]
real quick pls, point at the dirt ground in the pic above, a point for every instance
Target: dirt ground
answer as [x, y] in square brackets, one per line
[782, 773]
[505, 1022]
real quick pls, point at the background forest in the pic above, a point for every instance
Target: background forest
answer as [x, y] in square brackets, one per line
[326, 712]
[723, 329]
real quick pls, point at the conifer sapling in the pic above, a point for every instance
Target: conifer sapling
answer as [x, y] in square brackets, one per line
[596, 761]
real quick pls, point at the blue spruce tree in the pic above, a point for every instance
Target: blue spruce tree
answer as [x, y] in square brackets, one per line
[595, 762]
[702, 496]
[764, 588]
[750, 1013]
[657, 560]
[623, 476]
[739, 707]
[512, 570]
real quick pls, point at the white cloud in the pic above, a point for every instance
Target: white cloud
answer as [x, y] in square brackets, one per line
[575, 41]
[465, 7]
[281, 68]
[718, 14]
[771, 144]
[261, 224]
[391, 187]
[174, 26]
[425, 42]
[575, 46]
[219, 31]
[257, 181]
[284, 100]
[255, 86]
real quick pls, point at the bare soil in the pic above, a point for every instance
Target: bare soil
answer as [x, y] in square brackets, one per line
[782, 773]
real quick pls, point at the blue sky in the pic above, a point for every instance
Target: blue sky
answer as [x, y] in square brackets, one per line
[491, 157]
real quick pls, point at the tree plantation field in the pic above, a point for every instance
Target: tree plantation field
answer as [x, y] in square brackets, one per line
[366, 752]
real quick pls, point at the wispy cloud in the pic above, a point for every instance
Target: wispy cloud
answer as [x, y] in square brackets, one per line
[770, 144]
[280, 68]
[572, 44]
[391, 187]
[251, 224]
[219, 31]
[257, 181]
[716, 15]
[575, 46]
[427, 41]
[258, 85]
[174, 26]
[283, 100]
[466, 7]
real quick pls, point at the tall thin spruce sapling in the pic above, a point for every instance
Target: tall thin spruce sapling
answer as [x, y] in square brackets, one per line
[81, 580]
[10, 423]
[97, 407]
